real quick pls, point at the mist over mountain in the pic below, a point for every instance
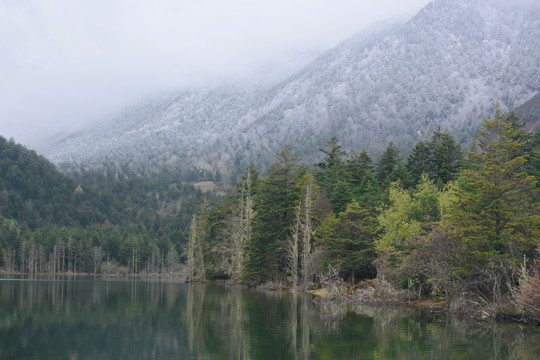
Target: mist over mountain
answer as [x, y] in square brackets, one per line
[445, 67]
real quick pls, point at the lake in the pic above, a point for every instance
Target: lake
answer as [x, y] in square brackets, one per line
[90, 318]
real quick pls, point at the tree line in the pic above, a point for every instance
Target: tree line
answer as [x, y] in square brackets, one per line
[440, 223]
[105, 220]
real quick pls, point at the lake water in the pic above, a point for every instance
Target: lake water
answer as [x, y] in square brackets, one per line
[100, 319]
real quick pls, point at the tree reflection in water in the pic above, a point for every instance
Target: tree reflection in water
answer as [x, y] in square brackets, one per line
[90, 319]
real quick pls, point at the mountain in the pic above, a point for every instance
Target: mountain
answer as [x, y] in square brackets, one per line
[529, 113]
[166, 130]
[50, 222]
[33, 190]
[446, 66]
[35, 193]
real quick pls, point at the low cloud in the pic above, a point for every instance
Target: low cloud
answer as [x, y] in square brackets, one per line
[67, 63]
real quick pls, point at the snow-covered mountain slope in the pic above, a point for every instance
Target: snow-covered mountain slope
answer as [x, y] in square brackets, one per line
[446, 66]
[168, 129]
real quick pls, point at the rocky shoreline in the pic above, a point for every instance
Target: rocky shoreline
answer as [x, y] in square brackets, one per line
[381, 293]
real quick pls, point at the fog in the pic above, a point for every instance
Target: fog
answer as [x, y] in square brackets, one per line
[64, 63]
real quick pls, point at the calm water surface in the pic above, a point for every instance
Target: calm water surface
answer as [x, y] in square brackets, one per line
[100, 319]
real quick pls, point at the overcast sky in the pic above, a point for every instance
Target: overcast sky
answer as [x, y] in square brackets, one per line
[66, 63]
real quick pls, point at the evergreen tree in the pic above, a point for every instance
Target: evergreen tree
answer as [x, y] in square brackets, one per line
[341, 195]
[369, 194]
[275, 214]
[533, 151]
[332, 167]
[332, 175]
[440, 158]
[445, 158]
[387, 163]
[348, 241]
[363, 186]
[419, 161]
[359, 166]
[400, 173]
[495, 206]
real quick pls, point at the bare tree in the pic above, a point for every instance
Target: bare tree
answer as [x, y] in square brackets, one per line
[308, 229]
[292, 247]
[236, 233]
[10, 260]
[173, 261]
[195, 257]
[98, 254]
[302, 231]
[190, 249]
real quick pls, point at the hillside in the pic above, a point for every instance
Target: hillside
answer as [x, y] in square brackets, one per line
[34, 193]
[445, 67]
[50, 222]
[32, 190]
[529, 113]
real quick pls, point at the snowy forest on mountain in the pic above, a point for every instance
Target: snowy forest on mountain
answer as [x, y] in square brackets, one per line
[445, 67]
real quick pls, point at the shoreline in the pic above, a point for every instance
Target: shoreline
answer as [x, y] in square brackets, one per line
[387, 296]
[367, 293]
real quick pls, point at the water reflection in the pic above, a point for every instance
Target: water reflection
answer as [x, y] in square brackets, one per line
[100, 319]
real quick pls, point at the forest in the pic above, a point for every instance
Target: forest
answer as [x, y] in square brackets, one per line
[463, 228]
[440, 223]
[104, 220]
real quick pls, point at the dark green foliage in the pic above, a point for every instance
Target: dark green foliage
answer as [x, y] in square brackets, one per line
[275, 208]
[341, 195]
[32, 190]
[332, 168]
[359, 166]
[363, 187]
[495, 208]
[445, 158]
[440, 158]
[400, 173]
[348, 241]
[419, 161]
[333, 176]
[368, 193]
[387, 164]
[532, 148]
[88, 212]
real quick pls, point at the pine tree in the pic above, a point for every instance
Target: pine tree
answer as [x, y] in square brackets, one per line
[533, 163]
[418, 161]
[333, 176]
[387, 163]
[359, 166]
[495, 206]
[348, 241]
[368, 194]
[275, 213]
[446, 158]
[440, 158]
[331, 169]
